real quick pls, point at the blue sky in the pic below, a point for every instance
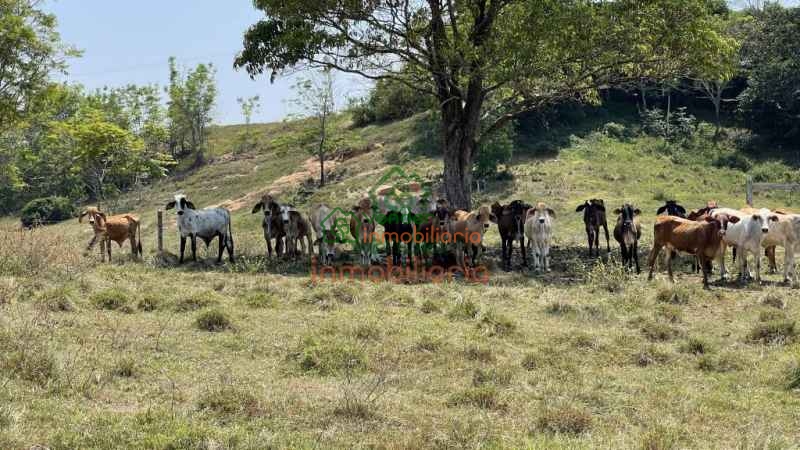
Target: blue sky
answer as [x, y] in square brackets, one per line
[130, 42]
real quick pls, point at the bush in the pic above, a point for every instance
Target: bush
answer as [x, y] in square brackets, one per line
[124, 368]
[429, 307]
[47, 210]
[651, 355]
[726, 362]
[616, 131]
[656, 331]
[478, 353]
[733, 161]
[565, 420]
[329, 357]
[695, 346]
[494, 150]
[389, 100]
[773, 172]
[773, 332]
[261, 300]
[669, 313]
[681, 125]
[464, 310]
[111, 299]
[213, 321]
[56, 300]
[195, 302]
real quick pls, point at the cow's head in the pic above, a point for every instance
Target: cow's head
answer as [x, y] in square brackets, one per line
[443, 214]
[286, 213]
[541, 214]
[764, 218]
[672, 208]
[181, 204]
[95, 216]
[485, 216]
[626, 217]
[721, 222]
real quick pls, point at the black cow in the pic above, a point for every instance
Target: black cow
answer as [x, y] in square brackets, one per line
[594, 217]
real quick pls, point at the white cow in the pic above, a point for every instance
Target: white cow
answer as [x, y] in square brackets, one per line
[747, 235]
[324, 222]
[785, 233]
[205, 224]
[539, 231]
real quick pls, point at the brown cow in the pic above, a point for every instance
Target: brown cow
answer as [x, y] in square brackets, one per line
[627, 232]
[467, 231]
[115, 228]
[702, 239]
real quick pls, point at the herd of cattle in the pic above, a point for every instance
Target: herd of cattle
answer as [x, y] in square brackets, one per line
[429, 228]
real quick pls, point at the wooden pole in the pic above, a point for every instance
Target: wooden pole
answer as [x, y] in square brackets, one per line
[749, 198]
[160, 217]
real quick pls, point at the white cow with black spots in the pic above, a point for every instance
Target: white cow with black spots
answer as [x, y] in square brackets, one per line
[205, 224]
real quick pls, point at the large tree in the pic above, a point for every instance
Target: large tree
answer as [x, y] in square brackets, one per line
[485, 61]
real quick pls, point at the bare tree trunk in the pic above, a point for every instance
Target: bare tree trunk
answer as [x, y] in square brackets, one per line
[322, 152]
[669, 105]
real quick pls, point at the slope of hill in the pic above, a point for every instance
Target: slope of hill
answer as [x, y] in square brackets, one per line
[118, 356]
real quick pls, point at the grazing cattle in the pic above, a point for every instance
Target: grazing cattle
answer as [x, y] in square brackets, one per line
[297, 230]
[511, 225]
[362, 228]
[467, 232]
[594, 217]
[539, 231]
[437, 223]
[272, 223]
[627, 232]
[747, 235]
[672, 208]
[324, 221]
[207, 224]
[783, 233]
[703, 239]
[400, 211]
[117, 228]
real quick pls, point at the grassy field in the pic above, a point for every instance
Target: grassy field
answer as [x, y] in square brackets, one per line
[254, 355]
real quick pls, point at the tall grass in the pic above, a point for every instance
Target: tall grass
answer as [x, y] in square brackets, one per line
[36, 252]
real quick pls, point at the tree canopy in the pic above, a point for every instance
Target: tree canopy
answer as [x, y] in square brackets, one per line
[485, 61]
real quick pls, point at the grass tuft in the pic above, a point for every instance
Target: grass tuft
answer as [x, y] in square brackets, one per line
[673, 294]
[669, 313]
[657, 331]
[213, 321]
[230, 401]
[695, 346]
[56, 300]
[111, 299]
[559, 308]
[660, 438]
[124, 368]
[793, 376]
[429, 307]
[149, 303]
[565, 420]
[773, 332]
[493, 376]
[484, 397]
[478, 353]
[774, 300]
[725, 362]
[464, 310]
[261, 300]
[771, 315]
[330, 357]
[650, 355]
[428, 343]
[195, 302]
[496, 324]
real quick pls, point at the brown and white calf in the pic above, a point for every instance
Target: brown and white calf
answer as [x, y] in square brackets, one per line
[467, 230]
[297, 230]
[117, 228]
[700, 238]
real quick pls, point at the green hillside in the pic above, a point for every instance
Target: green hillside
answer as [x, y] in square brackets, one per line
[118, 355]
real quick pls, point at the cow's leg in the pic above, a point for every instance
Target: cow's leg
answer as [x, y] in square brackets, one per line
[102, 250]
[704, 267]
[589, 238]
[742, 267]
[522, 250]
[269, 248]
[788, 263]
[229, 245]
[91, 245]
[108, 248]
[194, 247]
[608, 242]
[221, 247]
[636, 256]
[769, 252]
[669, 266]
[183, 248]
[651, 261]
[757, 256]
[546, 251]
[623, 249]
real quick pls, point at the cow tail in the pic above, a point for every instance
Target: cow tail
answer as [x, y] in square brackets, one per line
[230, 235]
[139, 239]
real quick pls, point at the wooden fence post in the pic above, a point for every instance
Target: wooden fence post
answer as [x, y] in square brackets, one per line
[160, 217]
[749, 198]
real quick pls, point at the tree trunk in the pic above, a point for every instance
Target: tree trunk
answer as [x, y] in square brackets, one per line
[669, 104]
[459, 149]
[322, 153]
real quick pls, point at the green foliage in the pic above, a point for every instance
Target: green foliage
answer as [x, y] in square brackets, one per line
[771, 102]
[111, 299]
[495, 149]
[192, 96]
[213, 321]
[680, 126]
[44, 211]
[780, 331]
[389, 100]
[229, 400]
[484, 397]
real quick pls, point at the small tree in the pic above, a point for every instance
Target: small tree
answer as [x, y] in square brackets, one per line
[315, 96]
[191, 101]
[249, 106]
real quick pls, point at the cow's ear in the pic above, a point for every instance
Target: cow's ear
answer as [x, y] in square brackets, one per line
[661, 210]
[170, 205]
[756, 217]
[551, 212]
[258, 207]
[733, 219]
[580, 207]
[190, 205]
[637, 211]
[618, 211]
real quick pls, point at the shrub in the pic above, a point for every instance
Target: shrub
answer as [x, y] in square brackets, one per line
[47, 210]
[148, 303]
[771, 315]
[494, 150]
[559, 308]
[660, 438]
[609, 277]
[773, 172]
[669, 313]
[484, 397]
[464, 310]
[616, 131]
[695, 346]
[389, 100]
[36, 365]
[565, 420]
[229, 400]
[773, 332]
[111, 299]
[530, 361]
[367, 331]
[735, 161]
[213, 321]
[428, 343]
[774, 300]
